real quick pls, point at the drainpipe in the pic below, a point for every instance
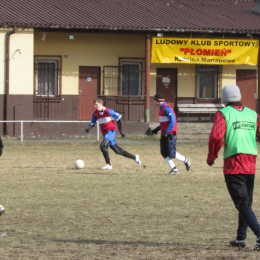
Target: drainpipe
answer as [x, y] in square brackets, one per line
[7, 65]
[147, 76]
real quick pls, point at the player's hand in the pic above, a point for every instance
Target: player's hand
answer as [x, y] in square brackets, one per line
[155, 131]
[122, 134]
[210, 163]
[164, 135]
[149, 131]
[87, 130]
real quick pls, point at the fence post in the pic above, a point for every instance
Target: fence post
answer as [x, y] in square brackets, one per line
[21, 131]
[97, 131]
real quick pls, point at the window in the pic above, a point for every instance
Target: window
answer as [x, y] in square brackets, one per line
[47, 78]
[208, 82]
[132, 77]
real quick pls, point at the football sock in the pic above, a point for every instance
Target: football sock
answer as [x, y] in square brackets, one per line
[170, 162]
[180, 157]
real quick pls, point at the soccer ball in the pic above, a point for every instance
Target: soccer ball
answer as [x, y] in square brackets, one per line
[2, 210]
[79, 164]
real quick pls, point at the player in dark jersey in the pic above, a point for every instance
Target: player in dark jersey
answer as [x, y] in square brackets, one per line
[168, 127]
[106, 118]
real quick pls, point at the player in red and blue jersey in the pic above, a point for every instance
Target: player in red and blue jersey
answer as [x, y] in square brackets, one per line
[168, 127]
[106, 118]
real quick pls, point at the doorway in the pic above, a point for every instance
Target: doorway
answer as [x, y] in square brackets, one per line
[89, 85]
[246, 81]
[166, 84]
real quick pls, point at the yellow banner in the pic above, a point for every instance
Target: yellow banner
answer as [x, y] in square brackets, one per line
[205, 51]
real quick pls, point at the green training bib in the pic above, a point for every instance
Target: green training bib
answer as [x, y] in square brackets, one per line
[241, 129]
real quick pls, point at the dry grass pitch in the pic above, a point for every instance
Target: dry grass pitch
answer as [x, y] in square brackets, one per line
[54, 211]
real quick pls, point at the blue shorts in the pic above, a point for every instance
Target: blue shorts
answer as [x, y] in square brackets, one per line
[110, 135]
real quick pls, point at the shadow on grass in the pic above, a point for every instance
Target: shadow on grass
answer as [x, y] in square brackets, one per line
[141, 243]
[83, 172]
[95, 173]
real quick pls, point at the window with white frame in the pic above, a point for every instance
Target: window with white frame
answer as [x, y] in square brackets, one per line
[208, 78]
[47, 77]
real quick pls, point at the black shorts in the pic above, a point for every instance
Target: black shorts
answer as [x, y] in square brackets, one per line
[168, 146]
[240, 188]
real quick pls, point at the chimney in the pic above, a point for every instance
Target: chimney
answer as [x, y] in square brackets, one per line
[257, 7]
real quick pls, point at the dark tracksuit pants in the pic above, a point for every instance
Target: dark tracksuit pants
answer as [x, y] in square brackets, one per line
[240, 188]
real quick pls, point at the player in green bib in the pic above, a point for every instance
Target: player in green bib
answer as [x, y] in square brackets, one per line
[240, 131]
[236, 127]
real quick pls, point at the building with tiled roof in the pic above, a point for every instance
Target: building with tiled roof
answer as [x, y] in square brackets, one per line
[59, 55]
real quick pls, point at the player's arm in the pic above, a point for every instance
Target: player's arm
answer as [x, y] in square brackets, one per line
[169, 113]
[149, 131]
[216, 137]
[120, 127]
[92, 123]
[156, 130]
[117, 117]
[258, 128]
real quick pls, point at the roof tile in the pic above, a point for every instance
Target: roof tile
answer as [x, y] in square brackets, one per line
[133, 15]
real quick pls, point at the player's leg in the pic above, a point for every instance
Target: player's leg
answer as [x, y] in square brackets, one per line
[166, 152]
[118, 150]
[180, 157]
[245, 207]
[240, 187]
[103, 147]
[241, 233]
[184, 159]
[250, 191]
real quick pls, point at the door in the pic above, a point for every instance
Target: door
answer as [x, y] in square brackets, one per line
[89, 83]
[166, 84]
[246, 81]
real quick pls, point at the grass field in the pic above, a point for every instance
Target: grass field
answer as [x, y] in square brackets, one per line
[54, 211]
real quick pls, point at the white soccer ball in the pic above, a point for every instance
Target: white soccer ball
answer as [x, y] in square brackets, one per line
[79, 164]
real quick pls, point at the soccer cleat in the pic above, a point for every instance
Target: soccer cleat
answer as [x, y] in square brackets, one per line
[187, 163]
[237, 243]
[138, 160]
[107, 167]
[173, 171]
[2, 210]
[257, 245]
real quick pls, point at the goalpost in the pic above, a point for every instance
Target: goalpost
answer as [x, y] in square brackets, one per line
[46, 121]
